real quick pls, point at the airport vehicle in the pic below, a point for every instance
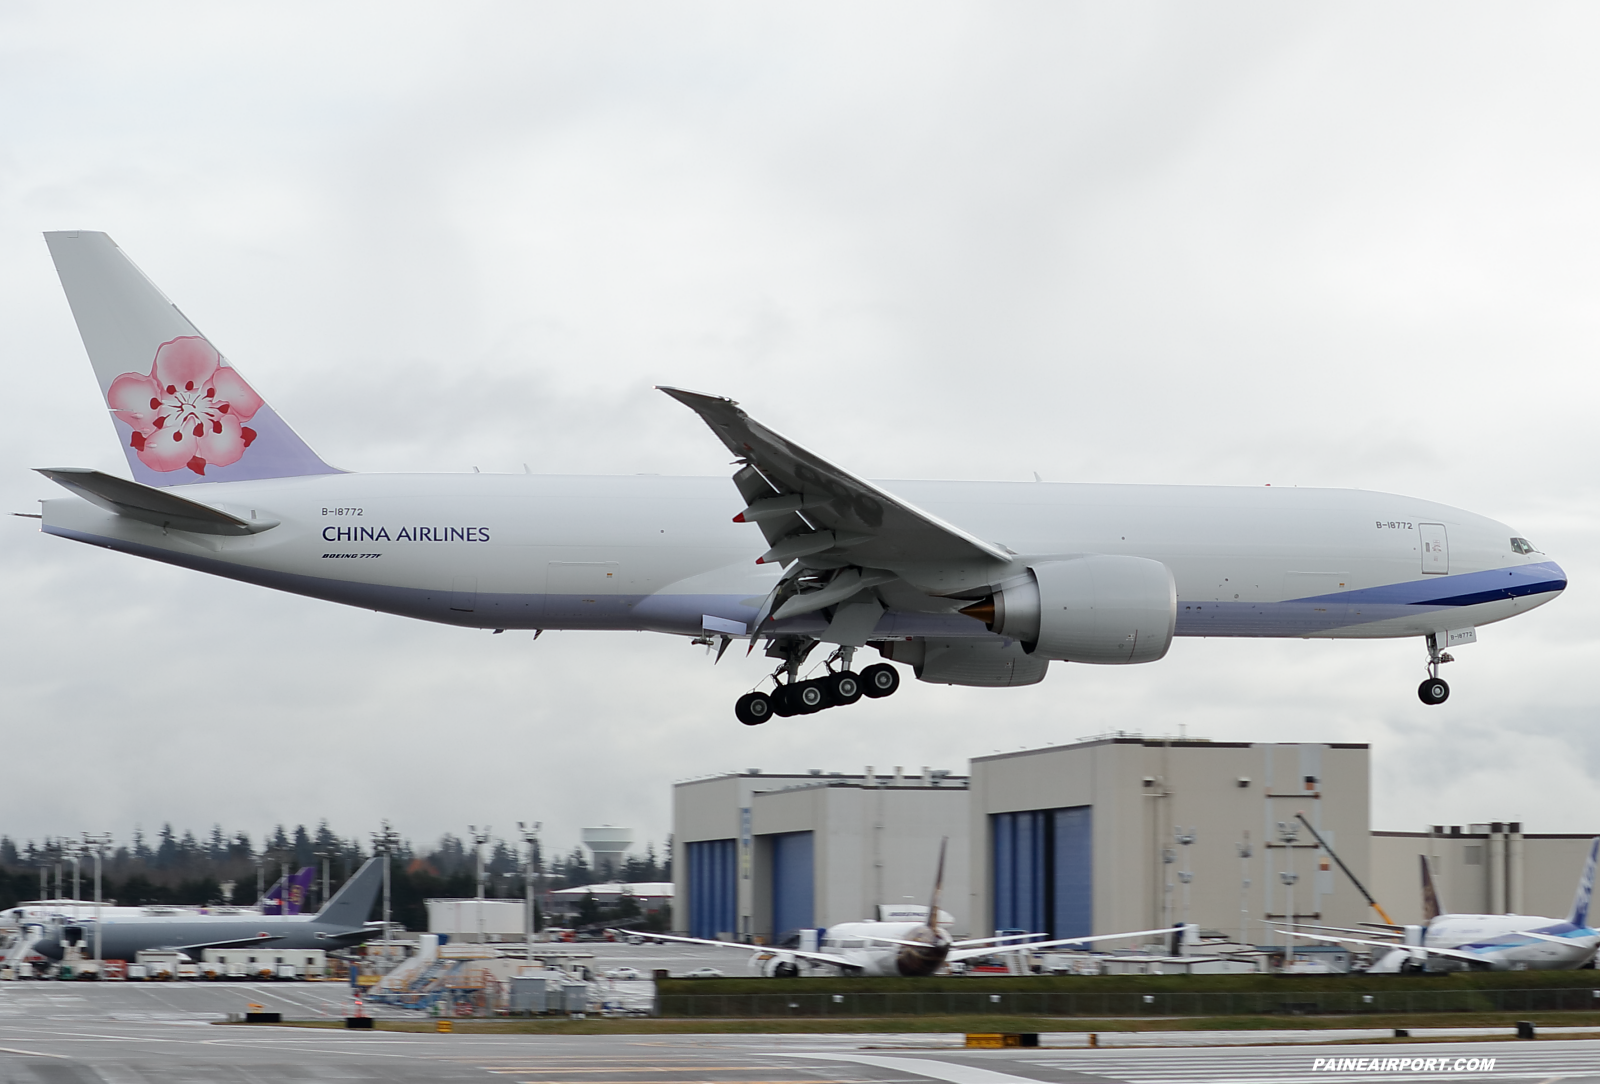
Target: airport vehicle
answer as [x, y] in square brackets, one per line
[1485, 942]
[703, 973]
[340, 924]
[968, 583]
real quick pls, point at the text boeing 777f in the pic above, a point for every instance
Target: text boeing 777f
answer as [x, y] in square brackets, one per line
[970, 583]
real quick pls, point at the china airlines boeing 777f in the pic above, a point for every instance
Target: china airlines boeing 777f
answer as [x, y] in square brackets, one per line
[968, 583]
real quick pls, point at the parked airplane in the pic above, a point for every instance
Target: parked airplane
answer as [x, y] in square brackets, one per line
[911, 949]
[968, 583]
[1487, 942]
[340, 924]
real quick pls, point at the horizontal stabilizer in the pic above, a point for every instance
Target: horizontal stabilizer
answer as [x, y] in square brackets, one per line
[149, 504]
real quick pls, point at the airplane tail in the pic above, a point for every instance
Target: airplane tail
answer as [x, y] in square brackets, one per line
[272, 898]
[938, 886]
[1430, 897]
[351, 905]
[182, 412]
[1580, 902]
[300, 889]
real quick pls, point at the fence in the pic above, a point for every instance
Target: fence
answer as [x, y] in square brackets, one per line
[797, 1002]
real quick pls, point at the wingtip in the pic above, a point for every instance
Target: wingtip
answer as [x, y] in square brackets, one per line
[687, 397]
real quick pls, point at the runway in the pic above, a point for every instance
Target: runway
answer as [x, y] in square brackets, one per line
[62, 1033]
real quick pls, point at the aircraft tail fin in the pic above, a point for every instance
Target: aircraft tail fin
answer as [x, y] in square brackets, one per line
[351, 905]
[1430, 897]
[1580, 902]
[938, 886]
[182, 412]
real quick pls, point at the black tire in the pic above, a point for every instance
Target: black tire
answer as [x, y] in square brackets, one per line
[783, 702]
[879, 680]
[1433, 691]
[809, 696]
[753, 709]
[843, 688]
[786, 970]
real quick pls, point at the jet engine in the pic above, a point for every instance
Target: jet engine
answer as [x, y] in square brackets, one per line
[1102, 608]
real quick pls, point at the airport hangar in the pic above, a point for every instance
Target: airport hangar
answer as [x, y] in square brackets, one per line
[1087, 838]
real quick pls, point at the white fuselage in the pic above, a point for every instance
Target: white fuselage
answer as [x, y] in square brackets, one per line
[854, 941]
[661, 553]
[1500, 942]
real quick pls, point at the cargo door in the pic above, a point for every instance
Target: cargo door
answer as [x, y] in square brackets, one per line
[1435, 547]
[464, 593]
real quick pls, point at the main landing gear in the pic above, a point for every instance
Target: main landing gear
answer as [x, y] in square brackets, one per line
[1435, 690]
[834, 689]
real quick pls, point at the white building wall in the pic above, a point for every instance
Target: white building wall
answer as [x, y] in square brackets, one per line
[1142, 790]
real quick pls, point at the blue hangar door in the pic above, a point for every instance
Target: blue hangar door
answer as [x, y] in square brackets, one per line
[793, 883]
[713, 888]
[1043, 871]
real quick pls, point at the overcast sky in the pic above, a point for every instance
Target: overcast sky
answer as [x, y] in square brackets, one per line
[1298, 244]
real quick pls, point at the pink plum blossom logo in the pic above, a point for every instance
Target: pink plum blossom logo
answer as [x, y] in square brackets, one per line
[189, 412]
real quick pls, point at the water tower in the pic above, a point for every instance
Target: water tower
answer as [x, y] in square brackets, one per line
[608, 845]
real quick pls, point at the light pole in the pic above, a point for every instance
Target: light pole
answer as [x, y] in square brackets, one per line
[75, 855]
[1288, 832]
[478, 840]
[530, 836]
[1244, 888]
[325, 856]
[96, 845]
[384, 842]
[1185, 837]
[1167, 858]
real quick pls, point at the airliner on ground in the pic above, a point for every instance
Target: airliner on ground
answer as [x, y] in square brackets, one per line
[911, 949]
[968, 583]
[1487, 942]
[341, 923]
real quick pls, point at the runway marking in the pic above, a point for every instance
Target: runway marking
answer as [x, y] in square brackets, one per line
[935, 1070]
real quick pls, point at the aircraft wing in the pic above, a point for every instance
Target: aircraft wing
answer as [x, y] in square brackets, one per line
[237, 942]
[970, 953]
[149, 504]
[819, 957]
[996, 940]
[808, 505]
[1457, 954]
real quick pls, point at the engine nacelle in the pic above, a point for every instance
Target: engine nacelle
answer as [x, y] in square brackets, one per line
[983, 663]
[1101, 608]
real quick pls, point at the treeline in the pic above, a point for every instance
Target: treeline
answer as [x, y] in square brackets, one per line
[224, 867]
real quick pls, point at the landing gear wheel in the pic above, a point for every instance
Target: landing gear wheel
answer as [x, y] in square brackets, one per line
[1433, 691]
[880, 679]
[783, 702]
[843, 688]
[808, 696]
[753, 709]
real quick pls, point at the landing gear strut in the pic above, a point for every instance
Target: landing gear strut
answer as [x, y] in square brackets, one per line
[1435, 690]
[836, 688]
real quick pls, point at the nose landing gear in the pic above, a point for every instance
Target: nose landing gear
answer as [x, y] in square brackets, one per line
[1435, 690]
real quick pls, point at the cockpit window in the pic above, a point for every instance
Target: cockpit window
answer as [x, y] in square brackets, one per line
[1522, 545]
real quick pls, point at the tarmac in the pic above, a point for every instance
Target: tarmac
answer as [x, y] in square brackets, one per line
[145, 1033]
